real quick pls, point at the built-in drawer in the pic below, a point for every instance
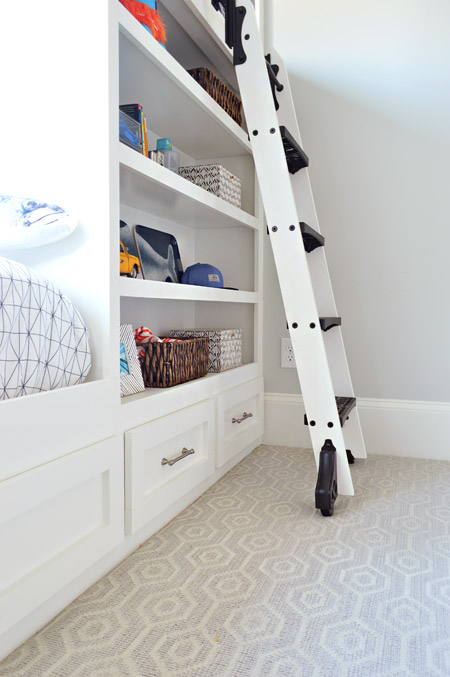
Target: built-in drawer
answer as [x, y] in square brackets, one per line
[55, 522]
[240, 419]
[165, 459]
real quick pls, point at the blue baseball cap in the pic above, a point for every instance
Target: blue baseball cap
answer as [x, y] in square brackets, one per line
[203, 275]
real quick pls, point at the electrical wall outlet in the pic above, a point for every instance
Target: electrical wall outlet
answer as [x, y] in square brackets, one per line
[287, 354]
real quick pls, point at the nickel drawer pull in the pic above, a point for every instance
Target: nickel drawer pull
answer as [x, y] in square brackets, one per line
[184, 452]
[244, 416]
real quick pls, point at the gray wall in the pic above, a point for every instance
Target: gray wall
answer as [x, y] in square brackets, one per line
[371, 84]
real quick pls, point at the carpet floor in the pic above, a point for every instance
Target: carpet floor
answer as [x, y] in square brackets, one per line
[250, 580]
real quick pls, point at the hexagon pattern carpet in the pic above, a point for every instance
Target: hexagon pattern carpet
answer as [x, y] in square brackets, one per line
[251, 581]
[43, 339]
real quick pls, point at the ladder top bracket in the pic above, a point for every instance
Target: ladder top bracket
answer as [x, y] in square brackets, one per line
[234, 18]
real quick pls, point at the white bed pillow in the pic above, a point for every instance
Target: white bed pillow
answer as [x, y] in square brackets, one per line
[44, 342]
[26, 223]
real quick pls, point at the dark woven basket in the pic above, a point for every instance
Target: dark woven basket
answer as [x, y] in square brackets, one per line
[219, 92]
[167, 364]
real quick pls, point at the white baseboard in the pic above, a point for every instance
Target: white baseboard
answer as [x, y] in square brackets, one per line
[391, 427]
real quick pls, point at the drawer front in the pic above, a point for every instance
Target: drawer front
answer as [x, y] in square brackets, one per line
[240, 419]
[165, 459]
[55, 522]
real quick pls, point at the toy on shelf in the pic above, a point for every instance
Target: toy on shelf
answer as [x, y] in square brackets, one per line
[146, 12]
[164, 151]
[129, 264]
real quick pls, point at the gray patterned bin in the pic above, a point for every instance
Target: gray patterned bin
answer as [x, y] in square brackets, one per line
[215, 179]
[225, 346]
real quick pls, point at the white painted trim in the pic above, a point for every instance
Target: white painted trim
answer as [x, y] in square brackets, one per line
[409, 405]
[394, 427]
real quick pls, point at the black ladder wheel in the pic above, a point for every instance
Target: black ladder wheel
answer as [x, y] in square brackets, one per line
[326, 487]
[328, 512]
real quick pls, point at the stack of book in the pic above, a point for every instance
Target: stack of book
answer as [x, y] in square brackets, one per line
[133, 127]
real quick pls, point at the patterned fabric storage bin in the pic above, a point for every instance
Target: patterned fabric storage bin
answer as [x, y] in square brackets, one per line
[215, 179]
[225, 346]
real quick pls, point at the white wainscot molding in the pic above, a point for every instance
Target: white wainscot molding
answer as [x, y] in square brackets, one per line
[391, 427]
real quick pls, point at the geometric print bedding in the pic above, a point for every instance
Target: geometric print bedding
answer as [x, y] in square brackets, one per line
[43, 339]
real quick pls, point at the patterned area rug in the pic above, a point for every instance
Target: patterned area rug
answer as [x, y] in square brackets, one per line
[251, 580]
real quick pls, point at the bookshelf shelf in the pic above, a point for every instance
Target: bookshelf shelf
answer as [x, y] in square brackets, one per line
[229, 377]
[176, 105]
[182, 292]
[164, 400]
[146, 185]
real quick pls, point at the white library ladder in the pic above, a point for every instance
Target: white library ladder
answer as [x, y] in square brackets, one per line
[298, 250]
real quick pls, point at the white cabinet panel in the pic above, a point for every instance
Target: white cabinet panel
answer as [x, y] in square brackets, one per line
[38, 429]
[157, 471]
[239, 419]
[55, 522]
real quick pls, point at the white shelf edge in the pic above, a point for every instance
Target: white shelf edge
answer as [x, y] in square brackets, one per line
[216, 381]
[152, 289]
[133, 31]
[138, 163]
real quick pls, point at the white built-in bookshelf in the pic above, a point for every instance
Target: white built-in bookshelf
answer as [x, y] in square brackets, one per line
[81, 484]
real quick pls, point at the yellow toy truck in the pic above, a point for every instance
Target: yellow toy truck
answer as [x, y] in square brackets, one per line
[129, 264]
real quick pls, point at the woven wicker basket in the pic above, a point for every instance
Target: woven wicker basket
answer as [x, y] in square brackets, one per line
[167, 364]
[219, 92]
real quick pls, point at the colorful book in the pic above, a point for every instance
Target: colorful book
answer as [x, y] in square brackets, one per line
[145, 140]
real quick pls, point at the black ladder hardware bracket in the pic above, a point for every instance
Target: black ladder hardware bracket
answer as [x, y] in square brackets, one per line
[234, 18]
[296, 157]
[218, 6]
[311, 238]
[276, 86]
[327, 323]
[344, 406]
[326, 487]
[350, 457]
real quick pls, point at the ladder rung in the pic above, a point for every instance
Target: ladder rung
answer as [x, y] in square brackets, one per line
[311, 238]
[327, 323]
[295, 155]
[344, 407]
